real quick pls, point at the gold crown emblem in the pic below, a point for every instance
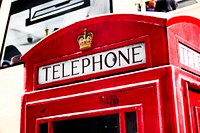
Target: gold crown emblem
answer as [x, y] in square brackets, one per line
[85, 40]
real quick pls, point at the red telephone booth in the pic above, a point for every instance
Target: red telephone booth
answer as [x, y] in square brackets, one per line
[115, 74]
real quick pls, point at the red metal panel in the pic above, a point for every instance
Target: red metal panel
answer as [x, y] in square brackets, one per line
[101, 100]
[146, 87]
[187, 88]
[108, 32]
[184, 30]
[167, 86]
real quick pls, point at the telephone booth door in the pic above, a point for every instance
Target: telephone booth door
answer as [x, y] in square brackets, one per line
[119, 109]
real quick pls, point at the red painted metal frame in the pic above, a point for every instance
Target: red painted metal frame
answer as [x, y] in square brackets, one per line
[183, 19]
[53, 105]
[197, 113]
[109, 32]
[188, 95]
[171, 109]
[194, 94]
[121, 110]
[168, 92]
[191, 46]
[185, 30]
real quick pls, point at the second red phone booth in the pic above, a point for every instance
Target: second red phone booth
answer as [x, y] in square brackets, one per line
[119, 73]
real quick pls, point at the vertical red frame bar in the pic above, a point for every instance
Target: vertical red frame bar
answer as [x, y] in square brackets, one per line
[197, 114]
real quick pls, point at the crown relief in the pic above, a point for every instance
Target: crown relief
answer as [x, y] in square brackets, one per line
[85, 40]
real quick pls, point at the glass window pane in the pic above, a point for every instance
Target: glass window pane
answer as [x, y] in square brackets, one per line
[44, 128]
[99, 124]
[131, 122]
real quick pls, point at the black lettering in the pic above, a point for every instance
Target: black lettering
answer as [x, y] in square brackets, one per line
[114, 59]
[95, 62]
[127, 59]
[85, 63]
[46, 72]
[74, 66]
[55, 71]
[194, 60]
[189, 58]
[63, 71]
[183, 53]
[134, 54]
[199, 62]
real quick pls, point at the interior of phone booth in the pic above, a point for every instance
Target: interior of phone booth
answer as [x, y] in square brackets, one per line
[132, 75]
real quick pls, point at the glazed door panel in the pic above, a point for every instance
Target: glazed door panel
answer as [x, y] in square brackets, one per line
[123, 109]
